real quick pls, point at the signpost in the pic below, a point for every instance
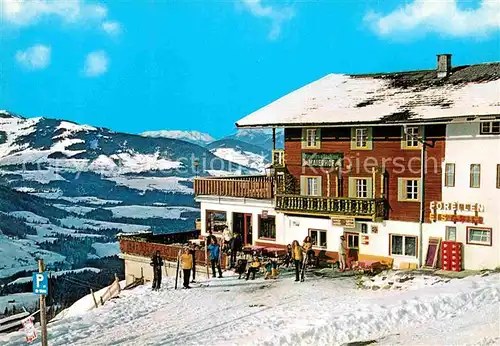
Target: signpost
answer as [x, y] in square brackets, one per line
[41, 288]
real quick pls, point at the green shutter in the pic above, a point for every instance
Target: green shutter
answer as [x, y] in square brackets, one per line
[318, 138]
[419, 185]
[353, 138]
[303, 186]
[303, 138]
[320, 186]
[352, 187]
[369, 142]
[401, 194]
[369, 187]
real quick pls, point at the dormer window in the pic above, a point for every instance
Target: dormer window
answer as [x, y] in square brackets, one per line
[361, 138]
[411, 137]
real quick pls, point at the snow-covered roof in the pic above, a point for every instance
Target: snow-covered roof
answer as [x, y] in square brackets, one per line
[416, 96]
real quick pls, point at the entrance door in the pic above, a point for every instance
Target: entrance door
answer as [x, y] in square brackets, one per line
[248, 238]
[352, 245]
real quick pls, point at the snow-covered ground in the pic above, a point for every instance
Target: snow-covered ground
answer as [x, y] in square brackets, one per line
[171, 184]
[319, 311]
[21, 254]
[18, 300]
[54, 274]
[85, 224]
[243, 158]
[106, 249]
[145, 212]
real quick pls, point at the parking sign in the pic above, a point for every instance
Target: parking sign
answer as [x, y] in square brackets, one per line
[40, 283]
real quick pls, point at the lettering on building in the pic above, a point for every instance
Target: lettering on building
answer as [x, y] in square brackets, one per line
[456, 212]
[326, 160]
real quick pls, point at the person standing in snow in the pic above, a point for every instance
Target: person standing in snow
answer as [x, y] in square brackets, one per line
[214, 250]
[211, 239]
[157, 264]
[235, 247]
[187, 264]
[227, 236]
[192, 252]
[342, 253]
[308, 251]
[297, 258]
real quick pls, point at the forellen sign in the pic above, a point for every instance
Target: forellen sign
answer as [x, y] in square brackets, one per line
[440, 211]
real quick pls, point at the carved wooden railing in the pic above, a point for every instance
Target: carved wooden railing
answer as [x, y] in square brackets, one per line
[259, 187]
[363, 207]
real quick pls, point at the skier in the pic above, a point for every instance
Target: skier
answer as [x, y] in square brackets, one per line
[187, 264]
[235, 247]
[192, 252]
[214, 250]
[157, 264]
[297, 258]
[342, 253]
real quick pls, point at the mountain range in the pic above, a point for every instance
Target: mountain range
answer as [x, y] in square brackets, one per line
[67, 189]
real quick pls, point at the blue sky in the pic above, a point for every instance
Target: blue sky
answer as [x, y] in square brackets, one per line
[201, 65]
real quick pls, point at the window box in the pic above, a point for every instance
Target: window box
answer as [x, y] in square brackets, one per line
[267, 228]
[318, 238]
[479, 236]
[403, 245]
[409, 189]
[361, 138]
[311, 138]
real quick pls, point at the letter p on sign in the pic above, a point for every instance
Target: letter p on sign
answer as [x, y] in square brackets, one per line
[40, 283]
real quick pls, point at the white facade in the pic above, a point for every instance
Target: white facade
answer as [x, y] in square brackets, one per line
[465, 146]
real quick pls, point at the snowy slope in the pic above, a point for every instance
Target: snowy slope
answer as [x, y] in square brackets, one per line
[244, 158]
[317, 312]
[195, 137]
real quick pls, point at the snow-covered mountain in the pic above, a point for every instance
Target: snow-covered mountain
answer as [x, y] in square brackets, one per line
[195, 137]
[241, 153]
[259, 137]
[67, 189]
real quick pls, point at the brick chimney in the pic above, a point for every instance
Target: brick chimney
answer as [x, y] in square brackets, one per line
[443, 65]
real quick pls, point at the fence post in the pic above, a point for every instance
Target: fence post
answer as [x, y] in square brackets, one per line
[117, 282]
[93, 297]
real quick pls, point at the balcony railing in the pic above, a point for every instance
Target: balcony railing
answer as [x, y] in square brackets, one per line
[258, 187]
[359, 207]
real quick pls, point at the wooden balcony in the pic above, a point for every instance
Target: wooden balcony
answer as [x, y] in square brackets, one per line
[258, 187]
[374, 209]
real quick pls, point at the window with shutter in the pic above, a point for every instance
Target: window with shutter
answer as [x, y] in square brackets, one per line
[360, 187]
[311, 138]
[361, 138]
[409, 189]
[410, 139]
[310, 186]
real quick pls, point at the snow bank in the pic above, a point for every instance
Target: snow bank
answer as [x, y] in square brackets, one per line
[319, 311]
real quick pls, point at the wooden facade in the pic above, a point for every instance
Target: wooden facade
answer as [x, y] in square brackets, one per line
[258, 187]
[386, 161]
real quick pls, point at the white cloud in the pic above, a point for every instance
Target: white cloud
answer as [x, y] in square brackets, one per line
[96, 64]
[277, 15]
[438, 16]
[24, 13]
[111, 27]
[36, 57]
